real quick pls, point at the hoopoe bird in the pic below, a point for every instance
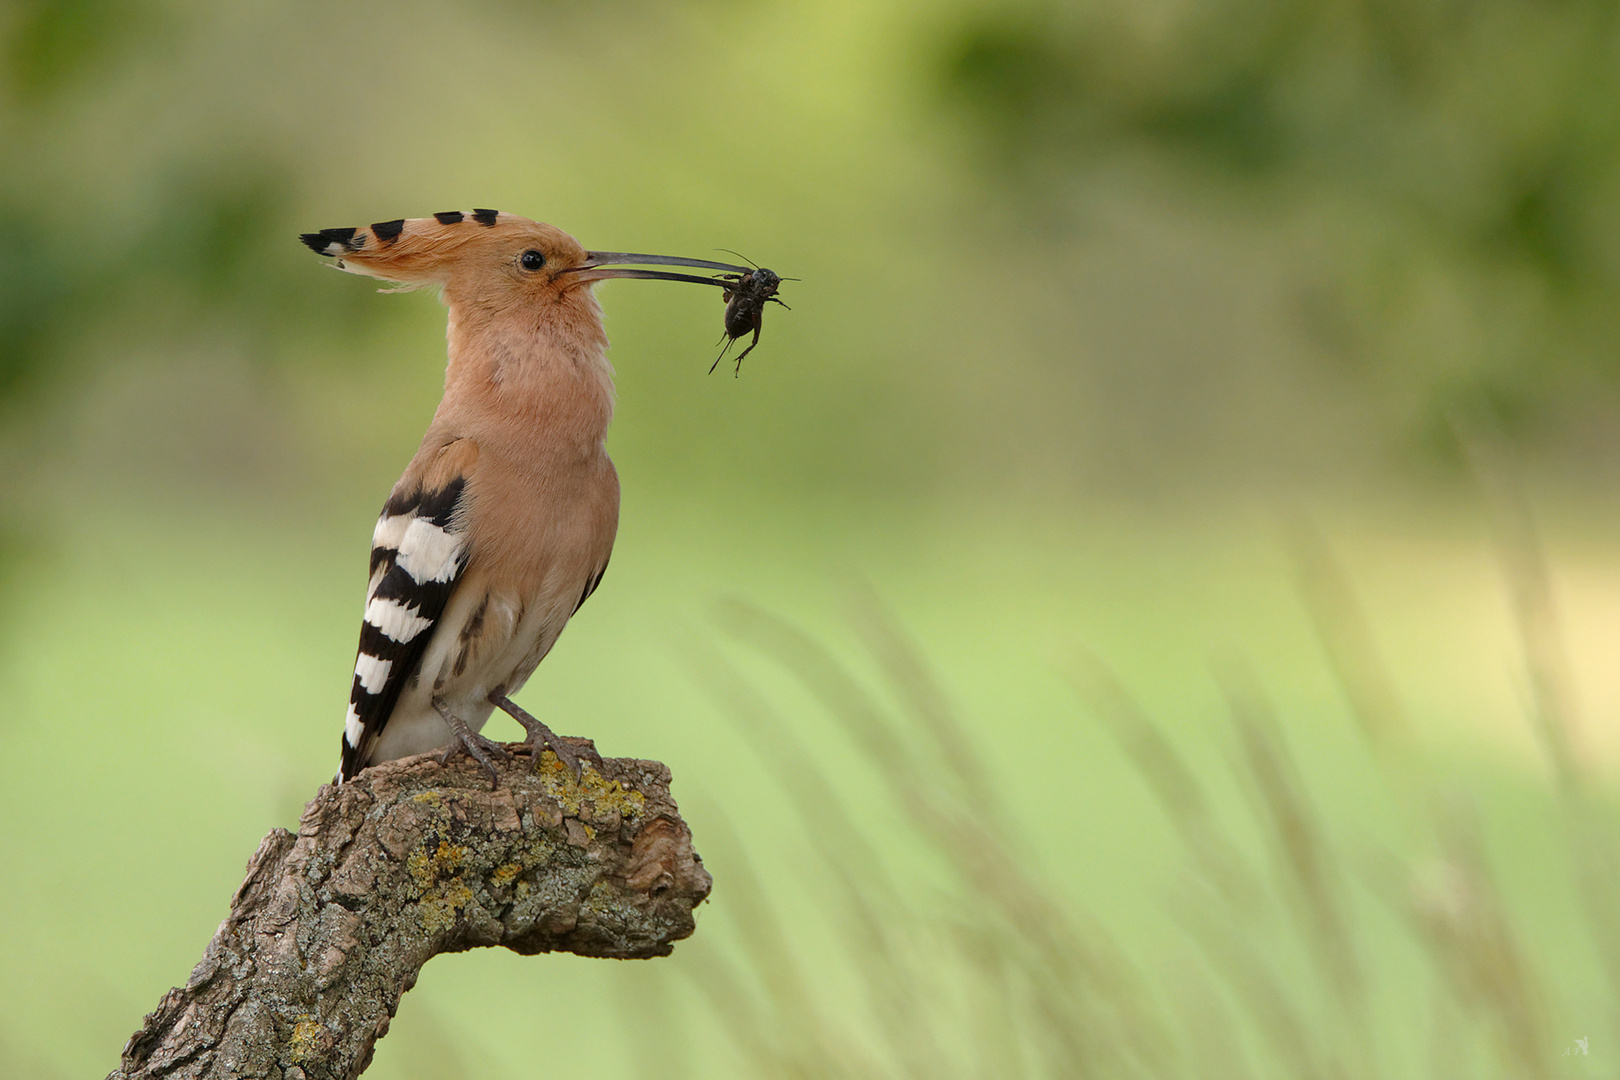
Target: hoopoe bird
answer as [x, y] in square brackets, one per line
[502, 524]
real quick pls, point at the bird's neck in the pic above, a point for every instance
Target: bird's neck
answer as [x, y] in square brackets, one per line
[545, 365]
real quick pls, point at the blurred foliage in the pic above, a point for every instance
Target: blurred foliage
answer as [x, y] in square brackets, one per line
[1456, 160]
[209, 260]
[36, 299]
[52, 44]
[221, 253]
[1428, 183]
[207, 255]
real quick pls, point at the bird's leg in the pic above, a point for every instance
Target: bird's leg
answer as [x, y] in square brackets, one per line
[464, 740]
[540, 736]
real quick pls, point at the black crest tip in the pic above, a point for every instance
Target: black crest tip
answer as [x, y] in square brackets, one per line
[333, 241]
[449, 217]
[388, 231]
[485, 217]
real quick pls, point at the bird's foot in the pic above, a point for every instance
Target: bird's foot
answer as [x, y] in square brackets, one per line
[464, 740]
[541, 737]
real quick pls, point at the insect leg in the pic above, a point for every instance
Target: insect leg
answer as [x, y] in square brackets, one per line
[723, 351]
[745, 352]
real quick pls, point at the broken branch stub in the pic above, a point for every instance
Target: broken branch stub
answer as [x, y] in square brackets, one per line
[408, 860]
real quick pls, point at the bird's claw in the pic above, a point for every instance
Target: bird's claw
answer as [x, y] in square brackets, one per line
[545, 739]
[541, 738]
[464, 740]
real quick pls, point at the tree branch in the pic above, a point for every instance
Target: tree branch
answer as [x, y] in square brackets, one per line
[409, 860]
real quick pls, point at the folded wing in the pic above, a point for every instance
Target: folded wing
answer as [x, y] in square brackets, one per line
[419, 551]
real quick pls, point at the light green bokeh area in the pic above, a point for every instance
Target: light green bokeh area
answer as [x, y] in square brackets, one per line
[1037, 403]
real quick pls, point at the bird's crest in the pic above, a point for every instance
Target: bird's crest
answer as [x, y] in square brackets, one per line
[411, 251]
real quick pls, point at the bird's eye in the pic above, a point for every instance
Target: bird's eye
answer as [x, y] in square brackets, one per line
[532, 260]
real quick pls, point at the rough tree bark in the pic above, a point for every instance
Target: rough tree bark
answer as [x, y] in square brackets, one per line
[410, 860]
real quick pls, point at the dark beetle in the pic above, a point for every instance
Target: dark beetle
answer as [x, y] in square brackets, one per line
[746, 296]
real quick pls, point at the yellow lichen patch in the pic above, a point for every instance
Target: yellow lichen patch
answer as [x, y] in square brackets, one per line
[437, 877]
[440, 910]
[592, 792]
[420, 867]
[309, 1039]
[504, 874]
[449, 856]
[427, 869]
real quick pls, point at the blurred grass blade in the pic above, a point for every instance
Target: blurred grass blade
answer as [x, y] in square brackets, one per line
[1214, 1042]
[1530, 588]
[866, 725]
[1271, 1005]
[783, 1028]
[1091, 1007]
[1304, 855]
[1346, 637]
[873, 910]
[1458, 913]
[909, 675]
[1172, 782]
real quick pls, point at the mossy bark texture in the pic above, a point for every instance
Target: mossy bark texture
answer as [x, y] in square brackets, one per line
[409, 860]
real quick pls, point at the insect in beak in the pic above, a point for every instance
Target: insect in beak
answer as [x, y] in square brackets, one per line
[747, 288]
[746, 296]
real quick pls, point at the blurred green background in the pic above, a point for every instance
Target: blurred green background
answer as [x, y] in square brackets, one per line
[1277, 331]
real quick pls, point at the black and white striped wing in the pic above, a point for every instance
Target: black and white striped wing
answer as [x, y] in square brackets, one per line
[418, 553]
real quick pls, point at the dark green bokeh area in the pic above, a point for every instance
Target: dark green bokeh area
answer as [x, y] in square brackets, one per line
[1127, 336]
[1451, 164]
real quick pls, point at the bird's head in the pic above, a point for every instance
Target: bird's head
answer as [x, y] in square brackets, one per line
[489, 259]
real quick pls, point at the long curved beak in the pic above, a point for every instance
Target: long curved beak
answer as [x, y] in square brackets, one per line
[602, 265]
